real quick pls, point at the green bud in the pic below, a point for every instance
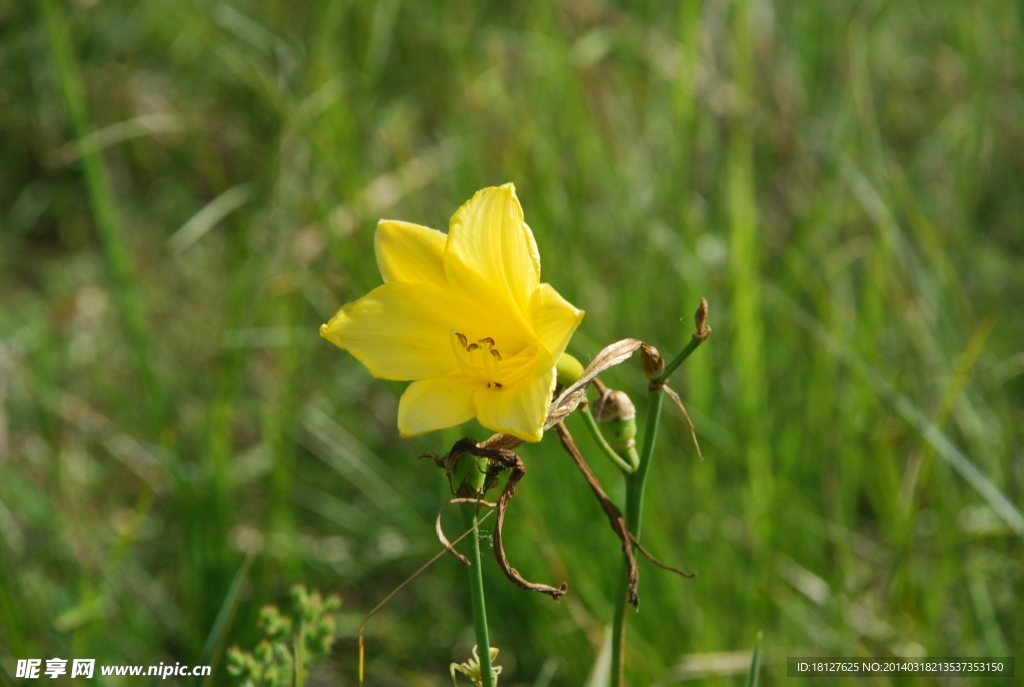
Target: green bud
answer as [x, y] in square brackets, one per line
[569, 370]
[237, 665]
[465, 476]
[264, 651]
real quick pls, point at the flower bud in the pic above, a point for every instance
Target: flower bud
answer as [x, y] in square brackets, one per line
[651, 361]
[569, 370]
[700, 320]
[468, 477]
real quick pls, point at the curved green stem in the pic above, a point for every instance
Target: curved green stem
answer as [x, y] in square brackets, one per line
[476, 592]
[623, 463]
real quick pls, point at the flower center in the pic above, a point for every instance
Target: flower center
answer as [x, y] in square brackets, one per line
[479, 358]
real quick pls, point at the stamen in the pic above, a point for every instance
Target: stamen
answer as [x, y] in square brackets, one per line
[486, 366]
[491, 366]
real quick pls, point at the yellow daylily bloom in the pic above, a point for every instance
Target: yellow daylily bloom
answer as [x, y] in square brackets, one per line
[465, 316]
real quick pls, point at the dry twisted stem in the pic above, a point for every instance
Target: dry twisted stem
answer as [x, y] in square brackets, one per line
[650, 556]
[679, 402]
[518, 471]
[440, 530]
[618, 523]
[498, 450]
[498, 459]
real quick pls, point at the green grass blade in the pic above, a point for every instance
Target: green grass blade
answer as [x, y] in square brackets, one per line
[214, 645]
[101, 200]
[945, 448]
[754, 673]
[745, 260]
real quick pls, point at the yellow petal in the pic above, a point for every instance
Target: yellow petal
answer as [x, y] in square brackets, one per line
[410, 253]
[491, 251]
[399, 331]
[519, 410]
[554, 319]
[431, 404]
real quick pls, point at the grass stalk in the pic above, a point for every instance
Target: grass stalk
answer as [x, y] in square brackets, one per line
[104, 213]
[745, 235]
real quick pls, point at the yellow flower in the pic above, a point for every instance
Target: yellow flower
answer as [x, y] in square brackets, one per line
[466, 317]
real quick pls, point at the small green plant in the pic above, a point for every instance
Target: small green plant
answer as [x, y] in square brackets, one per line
[471, 668]
[289, 648]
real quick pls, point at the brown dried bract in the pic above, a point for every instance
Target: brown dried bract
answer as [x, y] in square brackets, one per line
[693, 430]
[498, 460]
[618, 523]
[498, 450]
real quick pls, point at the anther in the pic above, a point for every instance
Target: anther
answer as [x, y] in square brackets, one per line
[462, 339]
[472, 347]
[494, 352]
[497, 385]
[487, 340]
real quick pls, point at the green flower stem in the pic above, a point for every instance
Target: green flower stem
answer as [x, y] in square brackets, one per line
[631, 456]
[625, 463]
[635, 485]
[619, 627]
[695, 341]
[476, 591]
[637, 482]
[635, 494]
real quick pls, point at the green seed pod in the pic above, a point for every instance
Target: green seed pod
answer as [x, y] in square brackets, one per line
[617, 416]
[620, 434]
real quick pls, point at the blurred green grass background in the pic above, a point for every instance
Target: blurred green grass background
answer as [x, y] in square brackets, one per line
[189, 189]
